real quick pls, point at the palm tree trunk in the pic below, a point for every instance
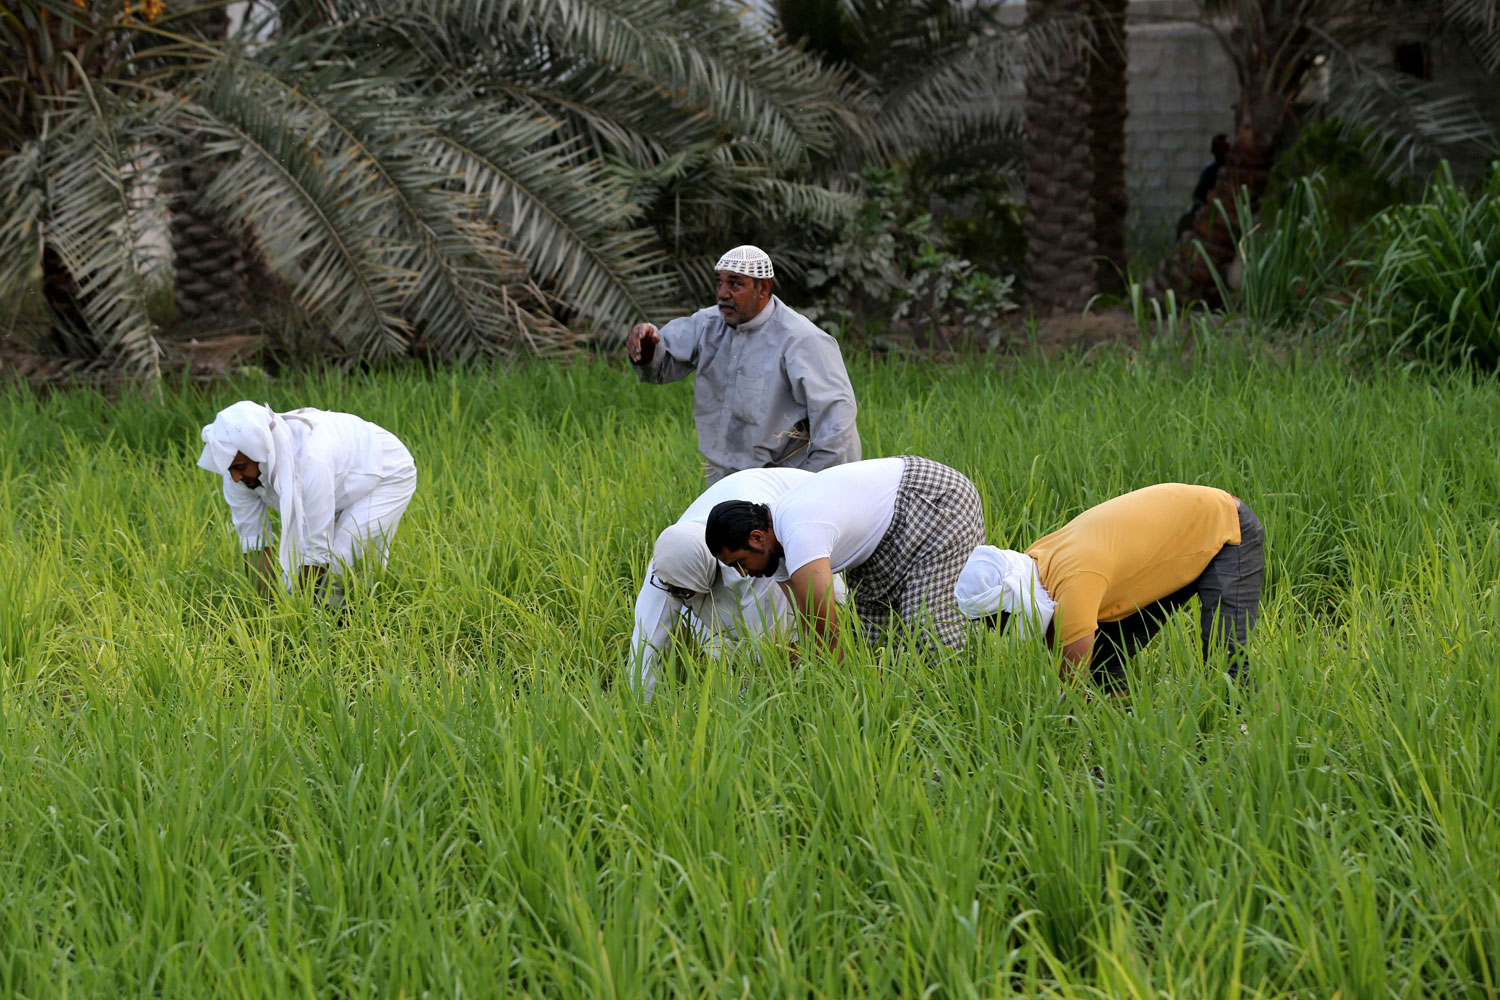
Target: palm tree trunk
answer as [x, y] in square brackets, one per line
[1060, 247]
[1108, 106]
[213, 268]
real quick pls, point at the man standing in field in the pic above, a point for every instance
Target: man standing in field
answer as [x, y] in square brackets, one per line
[771, 388]
[684, 581]
[339, 483]
[1102, 585]
[900, 528]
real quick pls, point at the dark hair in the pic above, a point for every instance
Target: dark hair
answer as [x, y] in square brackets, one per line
[730, 524]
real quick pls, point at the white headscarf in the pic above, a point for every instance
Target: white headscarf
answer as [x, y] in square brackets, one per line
[261, 435]
[682, 557]
[995, 580]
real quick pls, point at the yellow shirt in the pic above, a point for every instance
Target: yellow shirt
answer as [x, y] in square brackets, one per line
[1116, 558]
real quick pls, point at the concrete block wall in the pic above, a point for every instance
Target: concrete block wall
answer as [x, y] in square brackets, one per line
[1182, 90]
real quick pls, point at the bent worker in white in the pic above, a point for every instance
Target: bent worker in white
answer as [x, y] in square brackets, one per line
[339, 483]
[685, 585]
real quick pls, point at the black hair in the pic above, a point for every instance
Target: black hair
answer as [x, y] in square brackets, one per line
[730, 524]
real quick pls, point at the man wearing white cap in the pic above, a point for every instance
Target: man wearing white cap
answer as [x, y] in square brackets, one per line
[339, 483]
[771, 388]
[683, 578]
[1103, 584]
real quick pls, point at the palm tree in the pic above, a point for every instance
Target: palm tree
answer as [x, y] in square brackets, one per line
[1276, 46]
[471, 173]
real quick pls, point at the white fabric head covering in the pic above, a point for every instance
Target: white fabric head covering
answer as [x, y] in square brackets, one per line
[263, 436]
[682, 558]
[747, 260]
[996, 580]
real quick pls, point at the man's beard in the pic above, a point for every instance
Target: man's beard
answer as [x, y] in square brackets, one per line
[772, 563]
[252, 484]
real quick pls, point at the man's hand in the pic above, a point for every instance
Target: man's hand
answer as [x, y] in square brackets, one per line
[640, 343]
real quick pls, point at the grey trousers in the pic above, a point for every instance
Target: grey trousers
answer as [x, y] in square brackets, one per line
[1229, 591]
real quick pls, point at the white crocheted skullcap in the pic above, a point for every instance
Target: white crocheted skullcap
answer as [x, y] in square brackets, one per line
[747, 260]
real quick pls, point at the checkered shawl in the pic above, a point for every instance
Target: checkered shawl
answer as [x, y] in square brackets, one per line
[912, 572]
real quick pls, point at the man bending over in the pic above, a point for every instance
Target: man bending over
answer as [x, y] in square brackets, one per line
[1103, 584]
[339, 483]
[683, 579]
[900, 528]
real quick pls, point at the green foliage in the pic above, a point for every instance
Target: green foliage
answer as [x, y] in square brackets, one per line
[1434, 278]
[889, 265]
[485, 178]
[1352, 189]
[450, 792]
[1293, 261]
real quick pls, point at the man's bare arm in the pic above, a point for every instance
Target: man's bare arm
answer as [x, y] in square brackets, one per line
[1075, 658]
[811, 591]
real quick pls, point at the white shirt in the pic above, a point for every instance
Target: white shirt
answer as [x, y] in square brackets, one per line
[340, 459]
[840, 514]
[735, 606]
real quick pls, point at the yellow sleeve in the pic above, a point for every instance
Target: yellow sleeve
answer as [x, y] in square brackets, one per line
[1078, 599]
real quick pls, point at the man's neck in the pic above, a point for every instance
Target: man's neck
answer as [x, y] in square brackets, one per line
[759, 319]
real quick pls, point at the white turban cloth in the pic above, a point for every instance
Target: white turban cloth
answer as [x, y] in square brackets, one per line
[995, 580]
[747, 260]
[682, 558]
[261, 435]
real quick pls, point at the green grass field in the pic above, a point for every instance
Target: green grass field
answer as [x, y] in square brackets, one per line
[451, 793]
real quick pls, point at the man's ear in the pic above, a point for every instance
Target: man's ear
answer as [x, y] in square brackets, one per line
[757, 539]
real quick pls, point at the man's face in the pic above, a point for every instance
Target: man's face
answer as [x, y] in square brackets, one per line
[741, 297]
[997, 621]
[760, 557]
[243, 470]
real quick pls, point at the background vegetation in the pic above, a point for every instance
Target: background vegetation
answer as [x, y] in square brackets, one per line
[450, 790]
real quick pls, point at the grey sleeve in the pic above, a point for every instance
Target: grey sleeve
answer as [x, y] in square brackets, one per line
[677, 354]
[820, 382]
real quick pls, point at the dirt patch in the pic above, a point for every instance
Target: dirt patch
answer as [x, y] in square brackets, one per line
[1081, 332]
[1051, 335]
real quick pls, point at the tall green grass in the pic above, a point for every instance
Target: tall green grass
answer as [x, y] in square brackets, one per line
[1434, 277]
[451, 792]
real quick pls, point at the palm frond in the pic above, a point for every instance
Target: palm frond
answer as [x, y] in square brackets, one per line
[104, 188]
[565, 213]
[471, 296]
[1478, 23]
[1408, 120]
[22, 205]
[978, 87]
[315, 209]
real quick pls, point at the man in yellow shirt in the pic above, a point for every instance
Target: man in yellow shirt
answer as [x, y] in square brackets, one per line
[1102, 585]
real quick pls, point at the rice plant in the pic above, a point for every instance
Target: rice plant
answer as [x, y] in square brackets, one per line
[449, 791]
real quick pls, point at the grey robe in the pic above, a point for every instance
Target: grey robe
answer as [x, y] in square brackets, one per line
[771, 392]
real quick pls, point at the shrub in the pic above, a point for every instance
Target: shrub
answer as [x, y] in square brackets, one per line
[891, 265]
[1291, 261]
[1434, 277]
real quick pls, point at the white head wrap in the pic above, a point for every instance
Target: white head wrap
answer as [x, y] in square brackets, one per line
[746, 260]
[263, 436]
[996, 580]
[682, 558]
